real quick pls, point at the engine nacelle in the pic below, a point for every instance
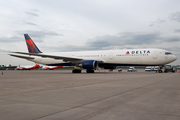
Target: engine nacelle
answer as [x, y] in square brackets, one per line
[89, 64]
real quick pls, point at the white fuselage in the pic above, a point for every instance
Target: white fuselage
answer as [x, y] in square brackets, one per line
[118, 57]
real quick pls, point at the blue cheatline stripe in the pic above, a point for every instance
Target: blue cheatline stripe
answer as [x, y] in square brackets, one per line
[61, 64]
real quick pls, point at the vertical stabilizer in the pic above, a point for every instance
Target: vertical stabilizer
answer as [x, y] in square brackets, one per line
[32, 48]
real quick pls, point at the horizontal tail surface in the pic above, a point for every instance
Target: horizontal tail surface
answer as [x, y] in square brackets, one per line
[32, 48]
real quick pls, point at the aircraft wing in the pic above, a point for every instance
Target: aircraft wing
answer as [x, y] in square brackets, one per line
[64, 58]
[24, 57]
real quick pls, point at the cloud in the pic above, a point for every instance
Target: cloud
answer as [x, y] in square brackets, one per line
[65, 48]
[174, 49]
[123, 39]
[39, 34]
[172, 39]
[120, 40]
[1, 50]
[175, 16]
[36, 10]
[32, 14]
[29, 23]
[157, 22]
[141, 38]
[10, 39]
[177, 30]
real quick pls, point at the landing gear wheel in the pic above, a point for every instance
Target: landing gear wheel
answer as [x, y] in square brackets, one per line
[76, 71]
[160, 71]
[89, 71]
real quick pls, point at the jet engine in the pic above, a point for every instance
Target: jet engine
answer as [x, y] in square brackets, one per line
[89, 64]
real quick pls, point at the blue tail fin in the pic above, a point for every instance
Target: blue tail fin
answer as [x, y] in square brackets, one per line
[32, 48]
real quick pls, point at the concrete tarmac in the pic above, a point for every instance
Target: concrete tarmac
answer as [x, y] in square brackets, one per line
[61, 95]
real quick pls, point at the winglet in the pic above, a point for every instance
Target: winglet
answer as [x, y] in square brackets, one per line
[32, 48]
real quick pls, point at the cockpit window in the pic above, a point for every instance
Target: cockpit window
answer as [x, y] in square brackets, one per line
[168, 53]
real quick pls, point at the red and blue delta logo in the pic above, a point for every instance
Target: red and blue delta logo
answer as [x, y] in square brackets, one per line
[127, 53]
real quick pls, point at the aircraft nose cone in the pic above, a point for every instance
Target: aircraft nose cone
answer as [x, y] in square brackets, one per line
[174, 57]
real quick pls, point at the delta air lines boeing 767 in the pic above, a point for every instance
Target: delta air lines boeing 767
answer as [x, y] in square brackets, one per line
[91, 60]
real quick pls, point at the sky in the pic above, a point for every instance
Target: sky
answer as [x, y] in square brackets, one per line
[78, 25]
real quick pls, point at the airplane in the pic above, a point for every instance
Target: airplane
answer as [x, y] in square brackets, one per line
[50, 67]
[27, 67]
[90, 60]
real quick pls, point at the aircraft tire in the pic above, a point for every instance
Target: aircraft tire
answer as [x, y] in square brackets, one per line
[160, 71]
[89, 71]
[76, 71]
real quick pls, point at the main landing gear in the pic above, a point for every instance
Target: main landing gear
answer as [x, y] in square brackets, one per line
[89, 71]
[76, 71]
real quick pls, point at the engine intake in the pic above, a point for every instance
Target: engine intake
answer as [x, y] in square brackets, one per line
[89, 64]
